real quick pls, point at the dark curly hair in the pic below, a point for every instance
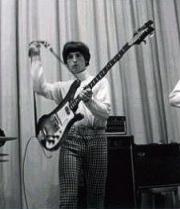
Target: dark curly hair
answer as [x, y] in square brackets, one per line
[74, 46]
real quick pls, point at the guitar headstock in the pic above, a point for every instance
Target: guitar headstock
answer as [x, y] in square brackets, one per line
[140, 35]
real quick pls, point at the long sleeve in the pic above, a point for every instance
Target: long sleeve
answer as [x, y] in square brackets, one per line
[100, 104]
[174, 96]
[41, 86]
[37, 73]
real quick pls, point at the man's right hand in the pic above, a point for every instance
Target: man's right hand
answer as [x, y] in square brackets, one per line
[34, 49]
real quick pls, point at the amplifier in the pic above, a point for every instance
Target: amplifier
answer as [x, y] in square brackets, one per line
[120, 185]
[116, 124]
[157, 165]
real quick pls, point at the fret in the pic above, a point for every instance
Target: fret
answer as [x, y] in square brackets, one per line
[109, 65]
[74, 103]
[101, 73]
[91, 84]
[94, 81]
[99, 76]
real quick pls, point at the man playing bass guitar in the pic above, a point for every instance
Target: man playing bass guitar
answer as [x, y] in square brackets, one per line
[85, 145]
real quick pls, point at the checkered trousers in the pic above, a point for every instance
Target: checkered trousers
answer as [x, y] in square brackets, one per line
[90, 153]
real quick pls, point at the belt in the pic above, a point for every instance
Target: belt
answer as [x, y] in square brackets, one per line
[84, 130]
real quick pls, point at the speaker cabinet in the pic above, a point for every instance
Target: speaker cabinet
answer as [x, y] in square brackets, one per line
[120, 187]
[157, 165]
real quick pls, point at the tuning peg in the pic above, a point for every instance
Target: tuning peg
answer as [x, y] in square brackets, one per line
[151, 34]
[148, 23]
[135, 33]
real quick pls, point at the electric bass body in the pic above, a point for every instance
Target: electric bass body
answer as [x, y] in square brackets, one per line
[53, 128]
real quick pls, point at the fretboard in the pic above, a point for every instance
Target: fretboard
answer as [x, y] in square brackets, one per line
[108, 66]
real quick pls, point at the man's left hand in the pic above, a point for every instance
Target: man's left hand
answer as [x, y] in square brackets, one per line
[86, 95]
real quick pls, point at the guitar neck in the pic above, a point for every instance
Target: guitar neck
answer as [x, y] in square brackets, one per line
[108, 66]
[103, 72]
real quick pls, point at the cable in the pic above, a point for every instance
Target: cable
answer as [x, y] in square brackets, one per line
[23, 167]
[48, 46]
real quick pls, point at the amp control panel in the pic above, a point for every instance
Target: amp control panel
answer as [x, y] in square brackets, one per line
[116, 124]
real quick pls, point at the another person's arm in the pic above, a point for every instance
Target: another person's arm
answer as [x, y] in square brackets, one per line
[174, 96]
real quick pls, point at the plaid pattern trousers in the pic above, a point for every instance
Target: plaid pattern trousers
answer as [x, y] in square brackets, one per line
[85, 149]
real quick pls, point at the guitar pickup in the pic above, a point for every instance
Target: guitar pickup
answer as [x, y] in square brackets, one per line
[55, 122]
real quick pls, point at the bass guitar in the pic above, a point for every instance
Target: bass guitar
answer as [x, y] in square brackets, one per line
[53, 128]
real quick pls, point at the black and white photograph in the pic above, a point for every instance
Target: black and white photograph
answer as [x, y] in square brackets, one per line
[89, 104]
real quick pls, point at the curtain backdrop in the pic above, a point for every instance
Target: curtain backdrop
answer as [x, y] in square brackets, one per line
[140, 82]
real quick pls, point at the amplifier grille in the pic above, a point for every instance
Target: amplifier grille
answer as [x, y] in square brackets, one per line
[157, 165]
